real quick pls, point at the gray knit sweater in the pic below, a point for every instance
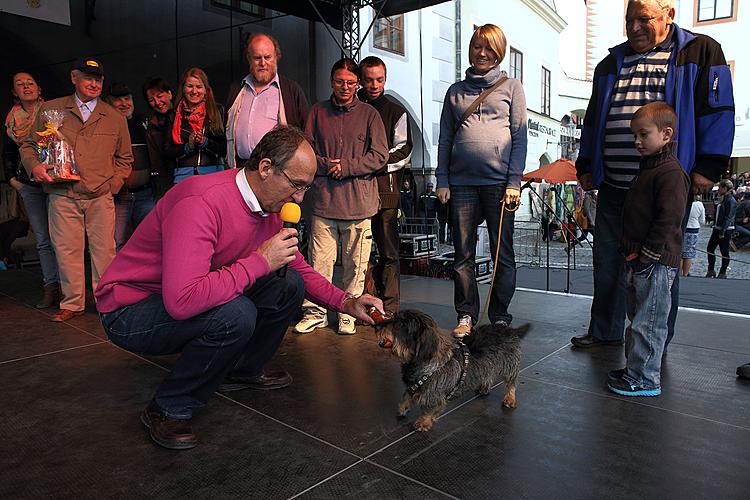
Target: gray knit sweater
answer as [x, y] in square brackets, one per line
[490, 146]
[354, 134]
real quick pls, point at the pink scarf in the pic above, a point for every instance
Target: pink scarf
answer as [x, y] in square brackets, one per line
[18, 123]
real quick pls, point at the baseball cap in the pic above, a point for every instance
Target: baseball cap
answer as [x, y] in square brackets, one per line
[119, 89]
[89, 65]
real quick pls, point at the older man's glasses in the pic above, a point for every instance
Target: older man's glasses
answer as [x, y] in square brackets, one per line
[297, 187]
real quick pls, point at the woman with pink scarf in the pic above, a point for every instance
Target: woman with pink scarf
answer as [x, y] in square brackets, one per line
[18, 124]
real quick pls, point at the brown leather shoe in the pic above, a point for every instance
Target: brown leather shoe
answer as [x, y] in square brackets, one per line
[168, 432]
[263, 382]
[64, 315]
[51, 296]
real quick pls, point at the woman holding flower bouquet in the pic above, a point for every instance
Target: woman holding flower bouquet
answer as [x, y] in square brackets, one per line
[195, 128]
[18, 124]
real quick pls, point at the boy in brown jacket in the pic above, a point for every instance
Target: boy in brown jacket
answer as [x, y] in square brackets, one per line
[652, 244]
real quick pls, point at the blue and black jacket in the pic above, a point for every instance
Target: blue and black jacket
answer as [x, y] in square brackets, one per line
[698, 87]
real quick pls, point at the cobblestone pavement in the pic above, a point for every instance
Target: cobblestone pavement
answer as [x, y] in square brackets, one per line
[531, 250]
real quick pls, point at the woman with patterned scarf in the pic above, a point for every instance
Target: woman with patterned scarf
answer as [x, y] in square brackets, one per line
[194, 131]
[18, 124]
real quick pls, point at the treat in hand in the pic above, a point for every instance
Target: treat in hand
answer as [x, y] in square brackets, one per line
[376, 315]
[378, 318]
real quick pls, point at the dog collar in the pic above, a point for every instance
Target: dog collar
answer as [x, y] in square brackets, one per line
[463, 353]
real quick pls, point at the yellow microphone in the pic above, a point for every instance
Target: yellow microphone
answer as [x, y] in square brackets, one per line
[290, 214]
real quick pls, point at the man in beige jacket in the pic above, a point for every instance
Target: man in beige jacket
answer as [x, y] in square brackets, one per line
[84, 208]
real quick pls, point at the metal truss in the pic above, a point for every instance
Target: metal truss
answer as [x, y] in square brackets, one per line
[350, 43]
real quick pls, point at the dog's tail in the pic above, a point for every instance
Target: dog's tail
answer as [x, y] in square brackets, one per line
[522, 330]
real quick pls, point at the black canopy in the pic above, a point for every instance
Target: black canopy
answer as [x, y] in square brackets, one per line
[331, 10]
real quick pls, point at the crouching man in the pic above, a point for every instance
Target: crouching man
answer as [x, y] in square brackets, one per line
[199, 276]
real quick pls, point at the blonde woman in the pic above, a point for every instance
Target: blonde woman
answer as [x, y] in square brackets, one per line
[194, 131]
[481, 158]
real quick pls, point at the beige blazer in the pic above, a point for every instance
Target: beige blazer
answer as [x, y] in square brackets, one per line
[101, 147]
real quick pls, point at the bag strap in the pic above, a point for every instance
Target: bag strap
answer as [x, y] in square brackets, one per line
[474, 105]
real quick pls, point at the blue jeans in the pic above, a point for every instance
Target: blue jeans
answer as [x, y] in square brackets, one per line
[744, 235]
[470, 205]
[238, 338]
[649, 302]
[35, 202]
[130, 210]
[608, 307]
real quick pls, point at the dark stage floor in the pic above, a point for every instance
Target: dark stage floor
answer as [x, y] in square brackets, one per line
[71, 402]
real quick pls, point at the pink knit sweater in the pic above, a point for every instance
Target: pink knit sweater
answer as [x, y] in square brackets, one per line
[197, 249]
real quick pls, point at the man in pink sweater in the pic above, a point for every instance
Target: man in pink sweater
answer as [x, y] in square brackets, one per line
[198, 276]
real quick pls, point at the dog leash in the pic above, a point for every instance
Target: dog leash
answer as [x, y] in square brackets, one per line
[497, 255]
[464, 366]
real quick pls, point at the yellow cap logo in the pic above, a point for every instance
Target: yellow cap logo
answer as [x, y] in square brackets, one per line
[92, 63]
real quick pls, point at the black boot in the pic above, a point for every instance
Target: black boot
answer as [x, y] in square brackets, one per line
[51, 296]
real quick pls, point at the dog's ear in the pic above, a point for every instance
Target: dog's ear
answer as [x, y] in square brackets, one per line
[425, 331]
[522, 330]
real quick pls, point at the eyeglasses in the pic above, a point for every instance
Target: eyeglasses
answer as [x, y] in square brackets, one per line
[297, 189]
[347, 83]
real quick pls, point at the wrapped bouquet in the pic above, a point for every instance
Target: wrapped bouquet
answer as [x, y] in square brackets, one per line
[54, 151]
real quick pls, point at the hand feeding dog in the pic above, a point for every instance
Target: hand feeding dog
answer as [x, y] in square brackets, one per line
[435, 366]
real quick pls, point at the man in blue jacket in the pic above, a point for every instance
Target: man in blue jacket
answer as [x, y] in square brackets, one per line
[659, 62]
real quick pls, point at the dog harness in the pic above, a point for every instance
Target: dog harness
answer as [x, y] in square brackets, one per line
[462, 352]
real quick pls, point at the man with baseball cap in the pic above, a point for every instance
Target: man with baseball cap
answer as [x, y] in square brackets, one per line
[136, 198]
[83, 209]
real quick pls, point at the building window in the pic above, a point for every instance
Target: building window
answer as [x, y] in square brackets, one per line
[546, 90]
[516, 64]
[241, 6]
[715, 11]
[388, 34]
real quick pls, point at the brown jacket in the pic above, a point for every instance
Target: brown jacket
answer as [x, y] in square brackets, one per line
[101, 146]
[654, 209]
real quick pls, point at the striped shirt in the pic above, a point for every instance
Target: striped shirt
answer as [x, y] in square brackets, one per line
[642, 80]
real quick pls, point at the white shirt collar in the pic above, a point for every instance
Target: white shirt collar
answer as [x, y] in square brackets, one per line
[248, 80]
[89, 105]
[247, 193]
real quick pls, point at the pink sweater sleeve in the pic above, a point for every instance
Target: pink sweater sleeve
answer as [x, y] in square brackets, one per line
[189, 286]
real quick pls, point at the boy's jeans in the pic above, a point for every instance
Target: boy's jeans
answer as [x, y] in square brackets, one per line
[648, 289]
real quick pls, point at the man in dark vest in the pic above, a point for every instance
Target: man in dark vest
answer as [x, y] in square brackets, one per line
[428, 204]
[136, 198]
[385, 222]
[407, 199]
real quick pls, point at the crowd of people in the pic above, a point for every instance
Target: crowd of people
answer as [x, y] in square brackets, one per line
[188, 253]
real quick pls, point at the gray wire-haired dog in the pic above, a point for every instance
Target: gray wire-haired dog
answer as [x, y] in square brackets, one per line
[435, 366]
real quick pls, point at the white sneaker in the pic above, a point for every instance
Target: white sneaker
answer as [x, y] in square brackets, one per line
[463, 328]
[310, 323]
[346, 325]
